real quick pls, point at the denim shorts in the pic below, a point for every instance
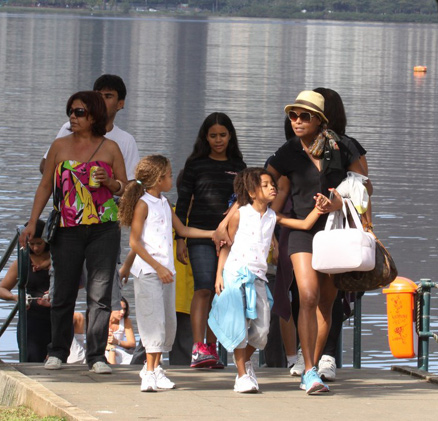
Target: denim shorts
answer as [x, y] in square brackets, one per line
[203, 259]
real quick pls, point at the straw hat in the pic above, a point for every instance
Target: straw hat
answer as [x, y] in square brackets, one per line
[309, 100]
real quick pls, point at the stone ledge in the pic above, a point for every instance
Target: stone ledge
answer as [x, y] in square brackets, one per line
[17, 389]
[415, 372]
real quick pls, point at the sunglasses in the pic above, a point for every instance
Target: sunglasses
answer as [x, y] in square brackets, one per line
[305, 117]
[78, 112]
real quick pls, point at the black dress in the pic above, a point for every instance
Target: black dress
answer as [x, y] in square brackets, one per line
[306, 181]
[38, 317]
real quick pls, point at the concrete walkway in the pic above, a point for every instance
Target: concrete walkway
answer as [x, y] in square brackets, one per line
[77, 394]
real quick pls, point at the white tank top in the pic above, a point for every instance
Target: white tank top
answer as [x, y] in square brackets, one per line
[156, 236]
[252, 242]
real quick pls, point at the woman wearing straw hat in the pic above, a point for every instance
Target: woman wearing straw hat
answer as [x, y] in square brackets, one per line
[315, 161]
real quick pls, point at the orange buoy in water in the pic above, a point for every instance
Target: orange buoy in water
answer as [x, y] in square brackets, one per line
[420, 69]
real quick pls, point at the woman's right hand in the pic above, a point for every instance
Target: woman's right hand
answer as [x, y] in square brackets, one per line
[181, 251]
[27, 234]
[10, 297]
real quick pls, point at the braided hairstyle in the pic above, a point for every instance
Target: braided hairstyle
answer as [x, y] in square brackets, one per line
[247, 182]
[148, 173]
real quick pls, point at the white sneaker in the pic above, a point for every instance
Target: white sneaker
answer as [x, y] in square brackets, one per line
[251, 373]
[53, 363]
[143, 371]
[244, 384]
[149, 382]
[100, 367]
[327, 368]
[298, 368]
[162, 381]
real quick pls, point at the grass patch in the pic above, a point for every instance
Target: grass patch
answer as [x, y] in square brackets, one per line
[20, 413]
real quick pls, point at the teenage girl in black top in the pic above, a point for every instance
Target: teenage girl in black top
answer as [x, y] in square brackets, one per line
[207, 185]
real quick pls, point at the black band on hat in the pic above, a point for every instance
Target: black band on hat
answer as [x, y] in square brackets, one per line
[309, 104]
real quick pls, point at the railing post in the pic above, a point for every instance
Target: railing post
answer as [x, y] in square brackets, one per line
[424, 331]
[338, 356]
[223, 354]
[357, 331]
[3, 262]
[8, 251]
[262, 359]
[23, 267]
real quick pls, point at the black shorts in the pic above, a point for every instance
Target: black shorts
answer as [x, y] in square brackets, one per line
[301, 241]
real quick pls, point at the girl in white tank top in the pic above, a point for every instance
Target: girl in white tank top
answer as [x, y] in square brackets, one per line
[148, 213]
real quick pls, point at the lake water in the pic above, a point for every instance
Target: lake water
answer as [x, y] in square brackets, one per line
[177, 71]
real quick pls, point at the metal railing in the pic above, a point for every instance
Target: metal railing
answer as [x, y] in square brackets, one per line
[357, 332]
[23, 268]
[3, 261]
[357, 343]
[423, 322]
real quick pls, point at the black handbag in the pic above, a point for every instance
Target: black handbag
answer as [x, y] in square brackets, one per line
[51, 226]
[383, 274]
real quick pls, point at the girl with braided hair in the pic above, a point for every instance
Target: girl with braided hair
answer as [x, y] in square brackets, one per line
[148, 213]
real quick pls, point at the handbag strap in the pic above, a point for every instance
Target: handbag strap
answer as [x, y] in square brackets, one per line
[95, 152]
[353, 214]
[335, 219]
[378, 241]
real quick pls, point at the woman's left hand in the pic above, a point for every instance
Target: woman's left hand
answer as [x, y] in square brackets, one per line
[326, 205]
[101, 176]
[44, 300]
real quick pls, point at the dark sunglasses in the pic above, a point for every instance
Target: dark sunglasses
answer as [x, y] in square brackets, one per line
[306, 117]
[78, 112]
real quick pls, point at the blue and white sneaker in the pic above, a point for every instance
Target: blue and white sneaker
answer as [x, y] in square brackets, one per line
[312, 383]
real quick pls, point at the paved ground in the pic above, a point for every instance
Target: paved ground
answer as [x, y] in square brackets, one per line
[366, 394]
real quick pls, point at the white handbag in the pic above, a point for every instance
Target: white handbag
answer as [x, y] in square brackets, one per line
[340, 248]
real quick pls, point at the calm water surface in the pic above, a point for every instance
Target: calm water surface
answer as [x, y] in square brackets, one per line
[179, 71]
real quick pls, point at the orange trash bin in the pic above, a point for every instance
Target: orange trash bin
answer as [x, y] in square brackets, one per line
[400, 304]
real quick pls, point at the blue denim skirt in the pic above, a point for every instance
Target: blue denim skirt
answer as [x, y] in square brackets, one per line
[204, 260]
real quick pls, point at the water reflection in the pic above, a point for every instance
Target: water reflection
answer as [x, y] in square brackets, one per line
[179, 70]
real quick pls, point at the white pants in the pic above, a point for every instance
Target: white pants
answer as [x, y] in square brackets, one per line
[155, 312]
[258, 329]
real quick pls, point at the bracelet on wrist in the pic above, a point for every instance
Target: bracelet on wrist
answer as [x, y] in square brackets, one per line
[121, 189]
[368, 226]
